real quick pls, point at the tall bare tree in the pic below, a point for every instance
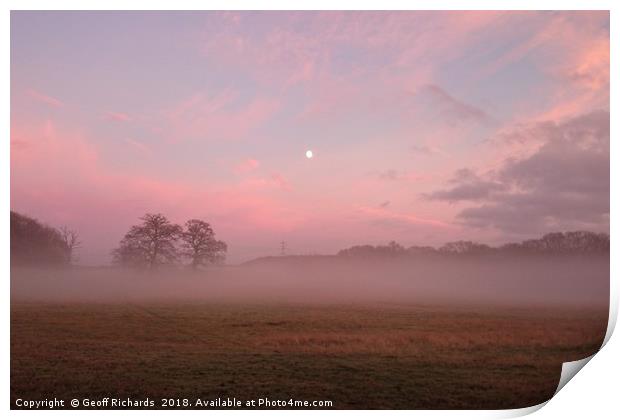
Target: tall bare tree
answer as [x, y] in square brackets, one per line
[200, 246]
[70, 242]
[149, 244]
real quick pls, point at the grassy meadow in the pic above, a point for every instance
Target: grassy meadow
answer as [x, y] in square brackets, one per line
[359, 356]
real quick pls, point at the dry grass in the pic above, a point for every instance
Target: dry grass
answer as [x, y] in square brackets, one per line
[371, 356]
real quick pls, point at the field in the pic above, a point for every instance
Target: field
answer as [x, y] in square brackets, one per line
[381, 355]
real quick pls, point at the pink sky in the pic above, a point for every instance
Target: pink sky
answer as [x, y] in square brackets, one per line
[426, 127]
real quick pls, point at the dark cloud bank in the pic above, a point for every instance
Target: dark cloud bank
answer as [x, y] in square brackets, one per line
[564, 185]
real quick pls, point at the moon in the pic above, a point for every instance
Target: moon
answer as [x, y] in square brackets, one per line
[309, 154]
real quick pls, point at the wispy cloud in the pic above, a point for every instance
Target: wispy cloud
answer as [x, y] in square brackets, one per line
[451, 108]
[382, 213]
[137, 145]
[44, 99]
[218, 117]
[247, 165]
[117, 116]
[395, 175]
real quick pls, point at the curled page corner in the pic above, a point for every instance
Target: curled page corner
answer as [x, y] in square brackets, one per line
[569, 370]
[521, 412]
[613, 316]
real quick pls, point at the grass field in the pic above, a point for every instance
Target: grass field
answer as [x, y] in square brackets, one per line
[357, 356]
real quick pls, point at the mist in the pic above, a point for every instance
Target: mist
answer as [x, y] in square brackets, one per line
[534, 280]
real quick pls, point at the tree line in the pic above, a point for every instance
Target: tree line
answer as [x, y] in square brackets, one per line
[33, 242]
[156, 242]
[152, 243]
[556, 243]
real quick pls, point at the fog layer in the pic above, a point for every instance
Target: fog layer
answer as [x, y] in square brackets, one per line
[582, 281]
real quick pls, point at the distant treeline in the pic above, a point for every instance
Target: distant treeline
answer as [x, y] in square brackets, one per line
[579, 242]
[156, 241]
[33, 242]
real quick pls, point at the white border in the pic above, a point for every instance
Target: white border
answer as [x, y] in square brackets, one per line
[592, 395]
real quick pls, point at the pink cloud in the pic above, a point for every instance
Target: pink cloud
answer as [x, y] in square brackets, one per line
[281, 181]
[285, 56]
[275, 181]
[60, 178]
[117, 116]
[407, 176]
[382, 213]
[591, 65]
[201, 103]
[573, 49]
[577, 49]
[282, 56]
[45, 99]
[137, 145]
[333, 96]
[248, 165]
[217, 117]
[45, 144]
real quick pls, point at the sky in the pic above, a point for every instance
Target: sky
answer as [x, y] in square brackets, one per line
[425, 127]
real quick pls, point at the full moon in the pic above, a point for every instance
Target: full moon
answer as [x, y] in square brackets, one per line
[309, 154]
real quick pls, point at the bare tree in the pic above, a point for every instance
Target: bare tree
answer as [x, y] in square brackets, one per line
[464, 248]
[150, 244]
[70, 242]
[200, 245]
